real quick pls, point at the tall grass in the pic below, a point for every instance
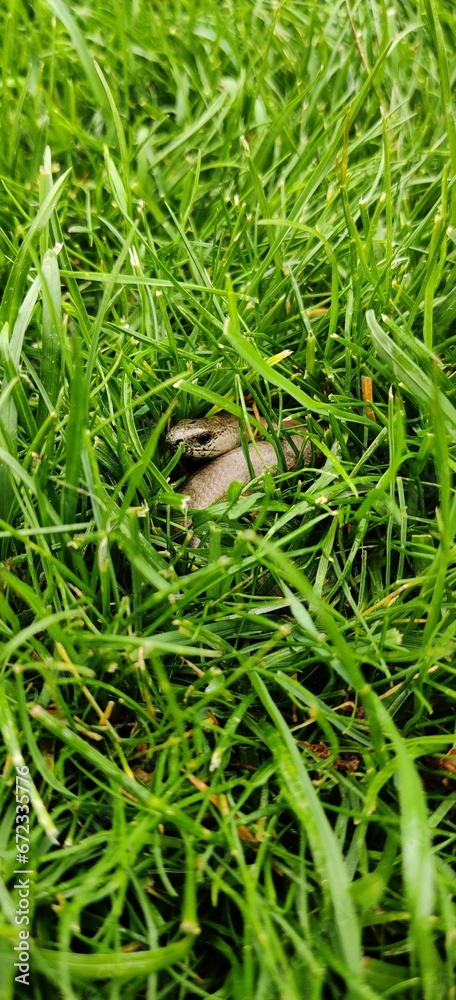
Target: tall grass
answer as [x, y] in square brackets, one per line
[240, 754]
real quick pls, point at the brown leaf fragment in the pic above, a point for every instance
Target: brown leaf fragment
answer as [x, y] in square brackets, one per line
[368, 395]
[447, 768]
[344, 762]
[246, 834]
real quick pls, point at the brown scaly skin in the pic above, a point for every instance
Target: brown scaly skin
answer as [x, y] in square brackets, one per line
[219, 436]
[205, 437]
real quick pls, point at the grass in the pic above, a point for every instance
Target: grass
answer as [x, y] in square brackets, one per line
[239, 756]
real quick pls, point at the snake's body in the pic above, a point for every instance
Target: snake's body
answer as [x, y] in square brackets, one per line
[220, 436]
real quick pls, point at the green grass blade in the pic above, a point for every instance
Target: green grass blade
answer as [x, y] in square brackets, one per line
[62, 12]
[52, 333]
[304, 801]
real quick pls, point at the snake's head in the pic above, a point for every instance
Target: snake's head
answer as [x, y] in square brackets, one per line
[205, 437]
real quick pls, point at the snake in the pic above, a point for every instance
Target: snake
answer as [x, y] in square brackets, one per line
[216, 440]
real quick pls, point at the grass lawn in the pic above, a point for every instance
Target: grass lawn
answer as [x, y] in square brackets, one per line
[227, 770]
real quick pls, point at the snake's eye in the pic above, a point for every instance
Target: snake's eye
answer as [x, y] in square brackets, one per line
[204, 438]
